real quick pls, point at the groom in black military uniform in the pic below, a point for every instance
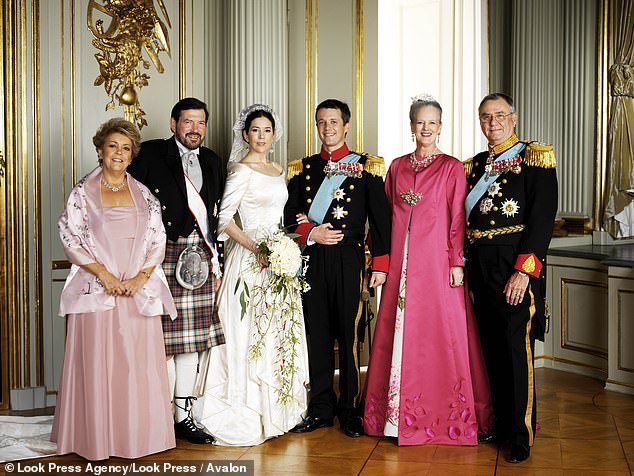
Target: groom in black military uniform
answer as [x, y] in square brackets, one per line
[511, 207]
[339, 191]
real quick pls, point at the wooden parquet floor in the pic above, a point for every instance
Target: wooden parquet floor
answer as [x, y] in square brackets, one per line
[584, 430]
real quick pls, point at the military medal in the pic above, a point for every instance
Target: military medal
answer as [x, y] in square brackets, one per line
[501, 166]
[510, 208]
[486, 205]
[338, 194]
[346, 169]
[338, 212]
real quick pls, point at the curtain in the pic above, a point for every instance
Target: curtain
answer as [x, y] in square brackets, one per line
[618, 217]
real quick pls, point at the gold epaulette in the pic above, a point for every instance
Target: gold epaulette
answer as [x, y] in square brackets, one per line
[375, 165]
[295, 167]
[468, 166]
[540, 155]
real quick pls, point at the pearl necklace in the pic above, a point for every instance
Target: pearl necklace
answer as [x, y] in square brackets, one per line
[424, 162]
[114, 188]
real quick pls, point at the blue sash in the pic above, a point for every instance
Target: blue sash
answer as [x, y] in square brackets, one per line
[483, 184]
[323, 198]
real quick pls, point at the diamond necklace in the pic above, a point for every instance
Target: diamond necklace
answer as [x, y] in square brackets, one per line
[424, 162]
[114, 188]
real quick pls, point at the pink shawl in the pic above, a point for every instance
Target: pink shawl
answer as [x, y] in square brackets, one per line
[81, 229]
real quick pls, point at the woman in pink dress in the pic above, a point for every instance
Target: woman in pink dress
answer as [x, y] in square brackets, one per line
[114, 398]
[426, 381]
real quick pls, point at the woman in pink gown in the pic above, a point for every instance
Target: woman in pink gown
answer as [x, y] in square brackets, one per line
[426, 381]
[113, 398]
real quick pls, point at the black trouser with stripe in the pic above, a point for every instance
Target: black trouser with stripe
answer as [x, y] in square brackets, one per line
[332, 311]
[508, 340]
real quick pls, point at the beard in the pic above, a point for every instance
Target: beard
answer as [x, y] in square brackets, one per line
[190, 140]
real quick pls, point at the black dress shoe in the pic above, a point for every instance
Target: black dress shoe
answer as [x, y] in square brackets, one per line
[187, 430]
[518, 453]
[352, 427]
[487, 438]
[311, 423]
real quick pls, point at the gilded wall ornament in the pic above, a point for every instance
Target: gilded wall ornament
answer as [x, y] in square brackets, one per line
[135, 28]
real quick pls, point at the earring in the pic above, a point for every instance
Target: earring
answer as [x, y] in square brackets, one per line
[437, 138]
[413, 137]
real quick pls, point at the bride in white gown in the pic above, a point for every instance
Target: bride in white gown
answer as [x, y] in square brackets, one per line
[241, 402]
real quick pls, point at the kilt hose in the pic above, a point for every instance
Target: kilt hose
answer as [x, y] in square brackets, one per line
[197, 326]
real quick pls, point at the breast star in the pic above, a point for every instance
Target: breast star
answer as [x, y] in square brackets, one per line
[338, 194]
[338, 212]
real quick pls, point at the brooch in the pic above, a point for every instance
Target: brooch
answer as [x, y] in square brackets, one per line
[411, 198]
[343, 168]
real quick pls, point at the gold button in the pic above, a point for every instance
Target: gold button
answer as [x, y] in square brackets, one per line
[307, 177]
[345, 213]
[495, 209]
[351, 187]
[476, 164]
[348, 199]
[308, 189]
[308, 200]
[468, 223]
[490, 237]
[492, 222]
[499, 194]
[307, 166]
[473, 174]
[470, 187]
[343, 226]
[503, 180]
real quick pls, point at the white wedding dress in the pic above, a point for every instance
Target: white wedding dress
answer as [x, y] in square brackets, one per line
[240, 402]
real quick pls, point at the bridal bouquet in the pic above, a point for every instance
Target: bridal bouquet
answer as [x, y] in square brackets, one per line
[275, 300]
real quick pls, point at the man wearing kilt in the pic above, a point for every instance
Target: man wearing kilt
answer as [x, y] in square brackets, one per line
[188, 179]
[339, 191]
[510, 208]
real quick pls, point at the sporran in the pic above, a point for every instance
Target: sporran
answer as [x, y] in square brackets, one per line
[192, 269]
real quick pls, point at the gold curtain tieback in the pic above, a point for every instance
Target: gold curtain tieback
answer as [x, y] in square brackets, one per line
[622, 80]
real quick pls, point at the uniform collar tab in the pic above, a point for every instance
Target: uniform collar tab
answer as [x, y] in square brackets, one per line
[504, 146]
[340, 153]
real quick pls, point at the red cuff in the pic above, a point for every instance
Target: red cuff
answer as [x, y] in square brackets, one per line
[381, 263]
[529, 264]
[303, 230]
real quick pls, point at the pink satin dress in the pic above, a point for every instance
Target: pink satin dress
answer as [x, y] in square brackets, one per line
[114, 393]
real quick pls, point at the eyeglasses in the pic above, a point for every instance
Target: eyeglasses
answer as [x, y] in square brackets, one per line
[499, 117]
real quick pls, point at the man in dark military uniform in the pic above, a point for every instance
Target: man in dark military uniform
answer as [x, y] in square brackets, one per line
[511, 207]
[338, 190]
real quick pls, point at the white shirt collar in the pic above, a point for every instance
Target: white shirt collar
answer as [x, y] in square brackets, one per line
[182, 150]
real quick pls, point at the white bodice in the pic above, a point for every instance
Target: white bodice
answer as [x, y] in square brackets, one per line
[258, 199]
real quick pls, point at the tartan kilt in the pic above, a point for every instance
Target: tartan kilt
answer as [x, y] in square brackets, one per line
[197, 326]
